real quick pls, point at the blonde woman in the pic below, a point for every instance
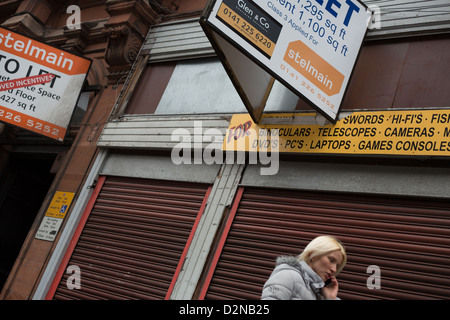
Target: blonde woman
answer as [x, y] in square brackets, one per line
[304, 277]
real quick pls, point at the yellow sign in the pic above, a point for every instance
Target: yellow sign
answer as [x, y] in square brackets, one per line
[54, 216]
[415, 132]
[60, 204]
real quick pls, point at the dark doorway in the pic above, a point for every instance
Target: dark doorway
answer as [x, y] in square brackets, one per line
[23, 187]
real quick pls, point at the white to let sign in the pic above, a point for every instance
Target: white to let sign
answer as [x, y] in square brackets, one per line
[311, 46]
[39, 84]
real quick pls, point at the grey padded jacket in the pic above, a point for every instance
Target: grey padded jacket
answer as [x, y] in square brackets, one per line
[292, 280]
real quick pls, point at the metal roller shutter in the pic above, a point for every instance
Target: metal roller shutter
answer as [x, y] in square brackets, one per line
[133, 239]
[177, 40]
[408, 239]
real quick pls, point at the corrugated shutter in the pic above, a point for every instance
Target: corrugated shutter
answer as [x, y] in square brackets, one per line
[408, 239]
[176, 40]
[155, 131]
[133, 239]
[399, 18]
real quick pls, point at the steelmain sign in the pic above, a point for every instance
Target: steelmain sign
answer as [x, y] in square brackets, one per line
[311, 46]
[39, 84]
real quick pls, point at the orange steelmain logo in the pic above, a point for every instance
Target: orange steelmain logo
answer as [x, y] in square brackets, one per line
[314, 68]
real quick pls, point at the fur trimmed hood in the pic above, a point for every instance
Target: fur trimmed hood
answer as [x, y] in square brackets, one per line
[289, 260]
[309, 275]
[292, 279]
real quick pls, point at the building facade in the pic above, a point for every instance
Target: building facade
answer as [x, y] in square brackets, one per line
[159, 213]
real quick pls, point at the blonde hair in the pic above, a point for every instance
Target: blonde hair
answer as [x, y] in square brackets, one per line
[321, 246]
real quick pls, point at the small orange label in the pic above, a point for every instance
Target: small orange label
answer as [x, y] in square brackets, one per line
[247, 30]
[323, 75]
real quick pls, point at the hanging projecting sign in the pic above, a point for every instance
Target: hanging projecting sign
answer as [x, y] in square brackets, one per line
[39, 84]
[311, 46]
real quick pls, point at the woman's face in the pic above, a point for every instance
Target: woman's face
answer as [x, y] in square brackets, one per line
[326, 265]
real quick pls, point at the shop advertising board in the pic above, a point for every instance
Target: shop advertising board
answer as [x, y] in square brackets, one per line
[406, 132]
[311, 46]
[39, 84]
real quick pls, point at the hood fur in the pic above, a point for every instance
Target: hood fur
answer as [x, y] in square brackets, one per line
[289, 260]
[310, 277]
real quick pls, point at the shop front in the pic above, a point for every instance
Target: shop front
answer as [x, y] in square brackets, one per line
[377, 179]
[189, 198]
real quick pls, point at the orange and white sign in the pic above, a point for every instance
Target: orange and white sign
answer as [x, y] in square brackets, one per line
[39, 84]
[314, 68]
[311, 46]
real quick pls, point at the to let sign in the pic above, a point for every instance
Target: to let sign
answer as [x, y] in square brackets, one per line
[311, 46]
[39, 84]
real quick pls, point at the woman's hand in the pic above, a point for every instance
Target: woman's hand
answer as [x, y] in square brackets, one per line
[331, 290]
